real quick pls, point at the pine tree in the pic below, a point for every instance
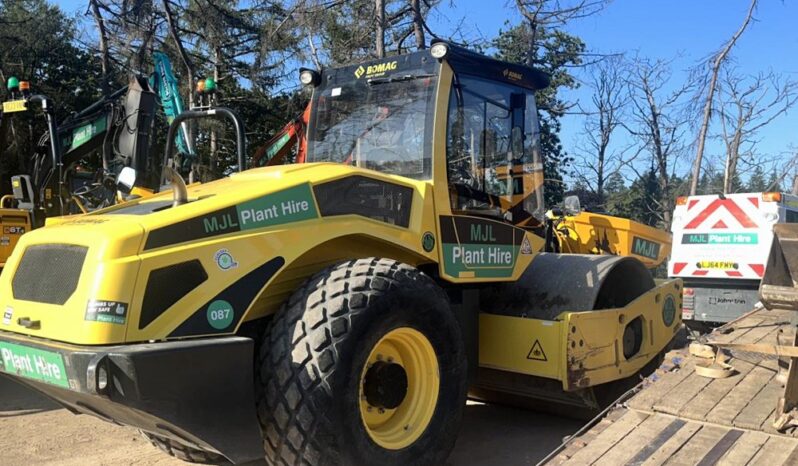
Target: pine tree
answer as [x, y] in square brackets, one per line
[757, 183]
[557, 50]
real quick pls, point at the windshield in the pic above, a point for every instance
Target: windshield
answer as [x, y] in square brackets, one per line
[381, 123]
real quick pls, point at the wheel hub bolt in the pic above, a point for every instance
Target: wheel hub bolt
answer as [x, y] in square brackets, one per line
[385, 385]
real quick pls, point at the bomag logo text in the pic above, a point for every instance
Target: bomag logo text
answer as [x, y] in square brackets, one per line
[375, 70]
[515, 76]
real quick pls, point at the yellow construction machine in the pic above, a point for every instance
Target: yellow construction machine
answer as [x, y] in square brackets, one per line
[337, 311]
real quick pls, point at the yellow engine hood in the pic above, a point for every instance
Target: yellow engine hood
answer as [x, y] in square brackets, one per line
[82, 279]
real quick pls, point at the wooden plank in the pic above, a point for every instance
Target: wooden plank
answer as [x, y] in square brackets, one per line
[698, 446]
[744, 326]
[577, 443]
[656, 441]
[758, 409]
[730, 406]
[658, 396]
[725, 443]
[675, 400]
[643, 434]
[715, 391]
[744, 449]
[674, 444]
[792, 460]
[659, 389]
[607, 438]
[774, 452]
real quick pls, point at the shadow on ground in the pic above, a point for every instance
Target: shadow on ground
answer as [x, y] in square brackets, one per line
[44, 434]
[500, 435]
[17, 399]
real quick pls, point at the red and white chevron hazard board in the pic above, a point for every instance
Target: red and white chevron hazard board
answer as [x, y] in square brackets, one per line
[725, 237]
[730, 269]
[721, 213]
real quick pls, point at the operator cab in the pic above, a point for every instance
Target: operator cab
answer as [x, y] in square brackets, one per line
[390, 116]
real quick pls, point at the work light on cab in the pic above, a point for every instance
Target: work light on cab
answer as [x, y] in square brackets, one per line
[309, 77]
[439, 50]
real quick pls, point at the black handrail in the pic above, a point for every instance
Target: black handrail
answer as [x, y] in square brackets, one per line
[55, 146]
[214, 112]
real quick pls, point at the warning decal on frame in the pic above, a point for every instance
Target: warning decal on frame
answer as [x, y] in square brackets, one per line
[536, 353]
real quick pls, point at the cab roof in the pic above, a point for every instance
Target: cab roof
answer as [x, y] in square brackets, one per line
[461, 59]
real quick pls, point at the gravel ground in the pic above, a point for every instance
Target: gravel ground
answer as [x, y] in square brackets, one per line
[34, 430]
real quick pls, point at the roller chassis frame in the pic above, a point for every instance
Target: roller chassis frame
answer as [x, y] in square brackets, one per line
[146, 290]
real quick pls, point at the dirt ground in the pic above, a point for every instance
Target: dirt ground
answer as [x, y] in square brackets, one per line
[34, 430]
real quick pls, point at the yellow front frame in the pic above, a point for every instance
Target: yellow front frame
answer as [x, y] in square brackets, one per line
[581, 349]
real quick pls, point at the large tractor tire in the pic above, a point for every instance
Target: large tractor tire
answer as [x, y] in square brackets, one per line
[365, 364]
[184, 452]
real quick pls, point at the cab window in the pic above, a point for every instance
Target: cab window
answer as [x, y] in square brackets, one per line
[493, 156]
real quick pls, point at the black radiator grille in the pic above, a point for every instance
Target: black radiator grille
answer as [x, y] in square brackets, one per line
[48, 273]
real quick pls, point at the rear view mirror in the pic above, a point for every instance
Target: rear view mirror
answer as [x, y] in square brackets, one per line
[126, 180]
[571, 205]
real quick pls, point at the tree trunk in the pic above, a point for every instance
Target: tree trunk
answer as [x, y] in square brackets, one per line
[702, 134]
[380, 28]
[732, 157]
[170, 21]
[103, 40]
[600, 175]
[214, 149]
[418, 24]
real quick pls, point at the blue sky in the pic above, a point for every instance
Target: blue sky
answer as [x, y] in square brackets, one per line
[685, 31]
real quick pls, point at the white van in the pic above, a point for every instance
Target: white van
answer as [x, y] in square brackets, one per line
[720, 248]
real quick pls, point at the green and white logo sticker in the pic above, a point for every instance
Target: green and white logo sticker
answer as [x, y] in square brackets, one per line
[428, 241]
[224, 260]
[220, 314]
[669, 311]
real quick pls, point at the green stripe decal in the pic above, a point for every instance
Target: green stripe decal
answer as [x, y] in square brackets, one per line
[286, 206]
[33, 363]
[291, 205]
[485, 260]
[479, 247]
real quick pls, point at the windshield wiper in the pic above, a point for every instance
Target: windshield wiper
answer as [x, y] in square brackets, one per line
[396, 79]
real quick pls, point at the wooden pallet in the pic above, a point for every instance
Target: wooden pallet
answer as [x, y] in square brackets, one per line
[681, 418]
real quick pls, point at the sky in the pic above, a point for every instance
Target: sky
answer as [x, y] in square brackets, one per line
[684, 31]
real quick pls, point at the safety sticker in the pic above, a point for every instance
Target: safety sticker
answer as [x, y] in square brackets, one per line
[224, 260]
[536, 353]
[112, 312]
[526, 248]
[9, 312]
[5, 240]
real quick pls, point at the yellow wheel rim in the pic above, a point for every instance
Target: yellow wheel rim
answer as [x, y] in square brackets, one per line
[397, 428]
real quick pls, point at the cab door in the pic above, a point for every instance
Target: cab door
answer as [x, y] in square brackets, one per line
[493, 179]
